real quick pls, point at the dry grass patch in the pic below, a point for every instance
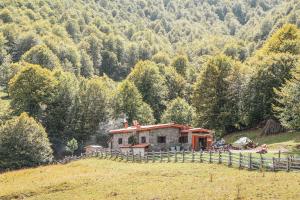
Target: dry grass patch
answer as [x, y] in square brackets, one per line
[104, 179]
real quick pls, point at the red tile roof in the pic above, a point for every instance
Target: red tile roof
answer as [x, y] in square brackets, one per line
[196, 130]
[135, 146]
[149, 127]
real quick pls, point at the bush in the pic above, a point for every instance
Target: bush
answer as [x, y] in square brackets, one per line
[23, 143]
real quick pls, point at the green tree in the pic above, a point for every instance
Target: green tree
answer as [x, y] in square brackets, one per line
[72, 146]
[178, 111]
[6, 72]
[212, 100]
[175, 83]
[31, 89]
[73, 29]
[93, 47]
[180, 63]
[271, 73]
[58, 114]
[23, 44]
[87, 69]
[110, 65]
[284, 40]
[91, 108]
[161, 58]
[41, 55]
[23, 143]
[287, 107]
[151, 85]
[129, 101]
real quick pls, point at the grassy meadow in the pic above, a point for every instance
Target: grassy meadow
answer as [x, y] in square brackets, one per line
[288, 140]
[104, 179]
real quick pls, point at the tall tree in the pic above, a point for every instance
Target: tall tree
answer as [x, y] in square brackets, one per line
[272, 72]
[287, 108]
[32, 89]
[284, 40]
[129, 101]
[273, 65]
[58, 114]
[175, 83]
[151, 85]
[91, 108]
[212, 99]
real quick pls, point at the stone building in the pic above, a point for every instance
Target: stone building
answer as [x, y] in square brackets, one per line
[161, 137]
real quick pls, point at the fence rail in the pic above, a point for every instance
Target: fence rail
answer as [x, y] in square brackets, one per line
[238, 160]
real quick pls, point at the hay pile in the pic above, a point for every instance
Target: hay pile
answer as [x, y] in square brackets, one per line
[272, 127]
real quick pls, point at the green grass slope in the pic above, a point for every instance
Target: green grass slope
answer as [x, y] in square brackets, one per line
[104, 179]
[289, 140]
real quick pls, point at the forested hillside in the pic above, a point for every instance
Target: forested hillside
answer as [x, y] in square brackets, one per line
[78, 67]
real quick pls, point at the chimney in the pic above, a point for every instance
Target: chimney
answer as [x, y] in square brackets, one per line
[136, 124]
[125, 123]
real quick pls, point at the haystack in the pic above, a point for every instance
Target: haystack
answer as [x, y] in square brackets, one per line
[272, 127]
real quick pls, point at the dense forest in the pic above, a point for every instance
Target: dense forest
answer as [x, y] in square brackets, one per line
[72, 69]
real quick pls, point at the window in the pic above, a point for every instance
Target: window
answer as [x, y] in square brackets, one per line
[161, 139]
[143, 139]
[120, 141]
[183, 139]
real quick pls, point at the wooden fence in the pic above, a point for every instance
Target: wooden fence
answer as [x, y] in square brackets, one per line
[243, 161]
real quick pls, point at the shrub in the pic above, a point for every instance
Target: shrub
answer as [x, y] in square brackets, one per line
[23, 143]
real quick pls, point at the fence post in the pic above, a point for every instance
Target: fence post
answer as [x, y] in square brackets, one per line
[274, 164]
[168, 156]
[279, 155]
[193, 155]
[220, 157]
[133, 158]
[229, 159]
[105, 154]
[183, 156]
[147, 159]
[110, 153]
[122, 155]
[210, 158]
[201, 156]
[126, 156]
[288, 164]
[175, 155]
[250, 161]
[153, 156]
[140, 156]
[240, 160]
[116, 155]
[261, 162]
[160, 155]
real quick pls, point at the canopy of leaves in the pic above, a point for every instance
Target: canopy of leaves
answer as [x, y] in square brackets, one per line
[130, 102]
[151, 84]
[216, 105]
[32, 89]
[41, 55]
[287, 108]
[178, 111]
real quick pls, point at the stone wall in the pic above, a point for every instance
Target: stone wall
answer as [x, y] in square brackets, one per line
[124, 137]
[172, 136]
[172, 139]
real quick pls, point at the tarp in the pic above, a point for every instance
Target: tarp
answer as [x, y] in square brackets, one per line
[242, 142]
